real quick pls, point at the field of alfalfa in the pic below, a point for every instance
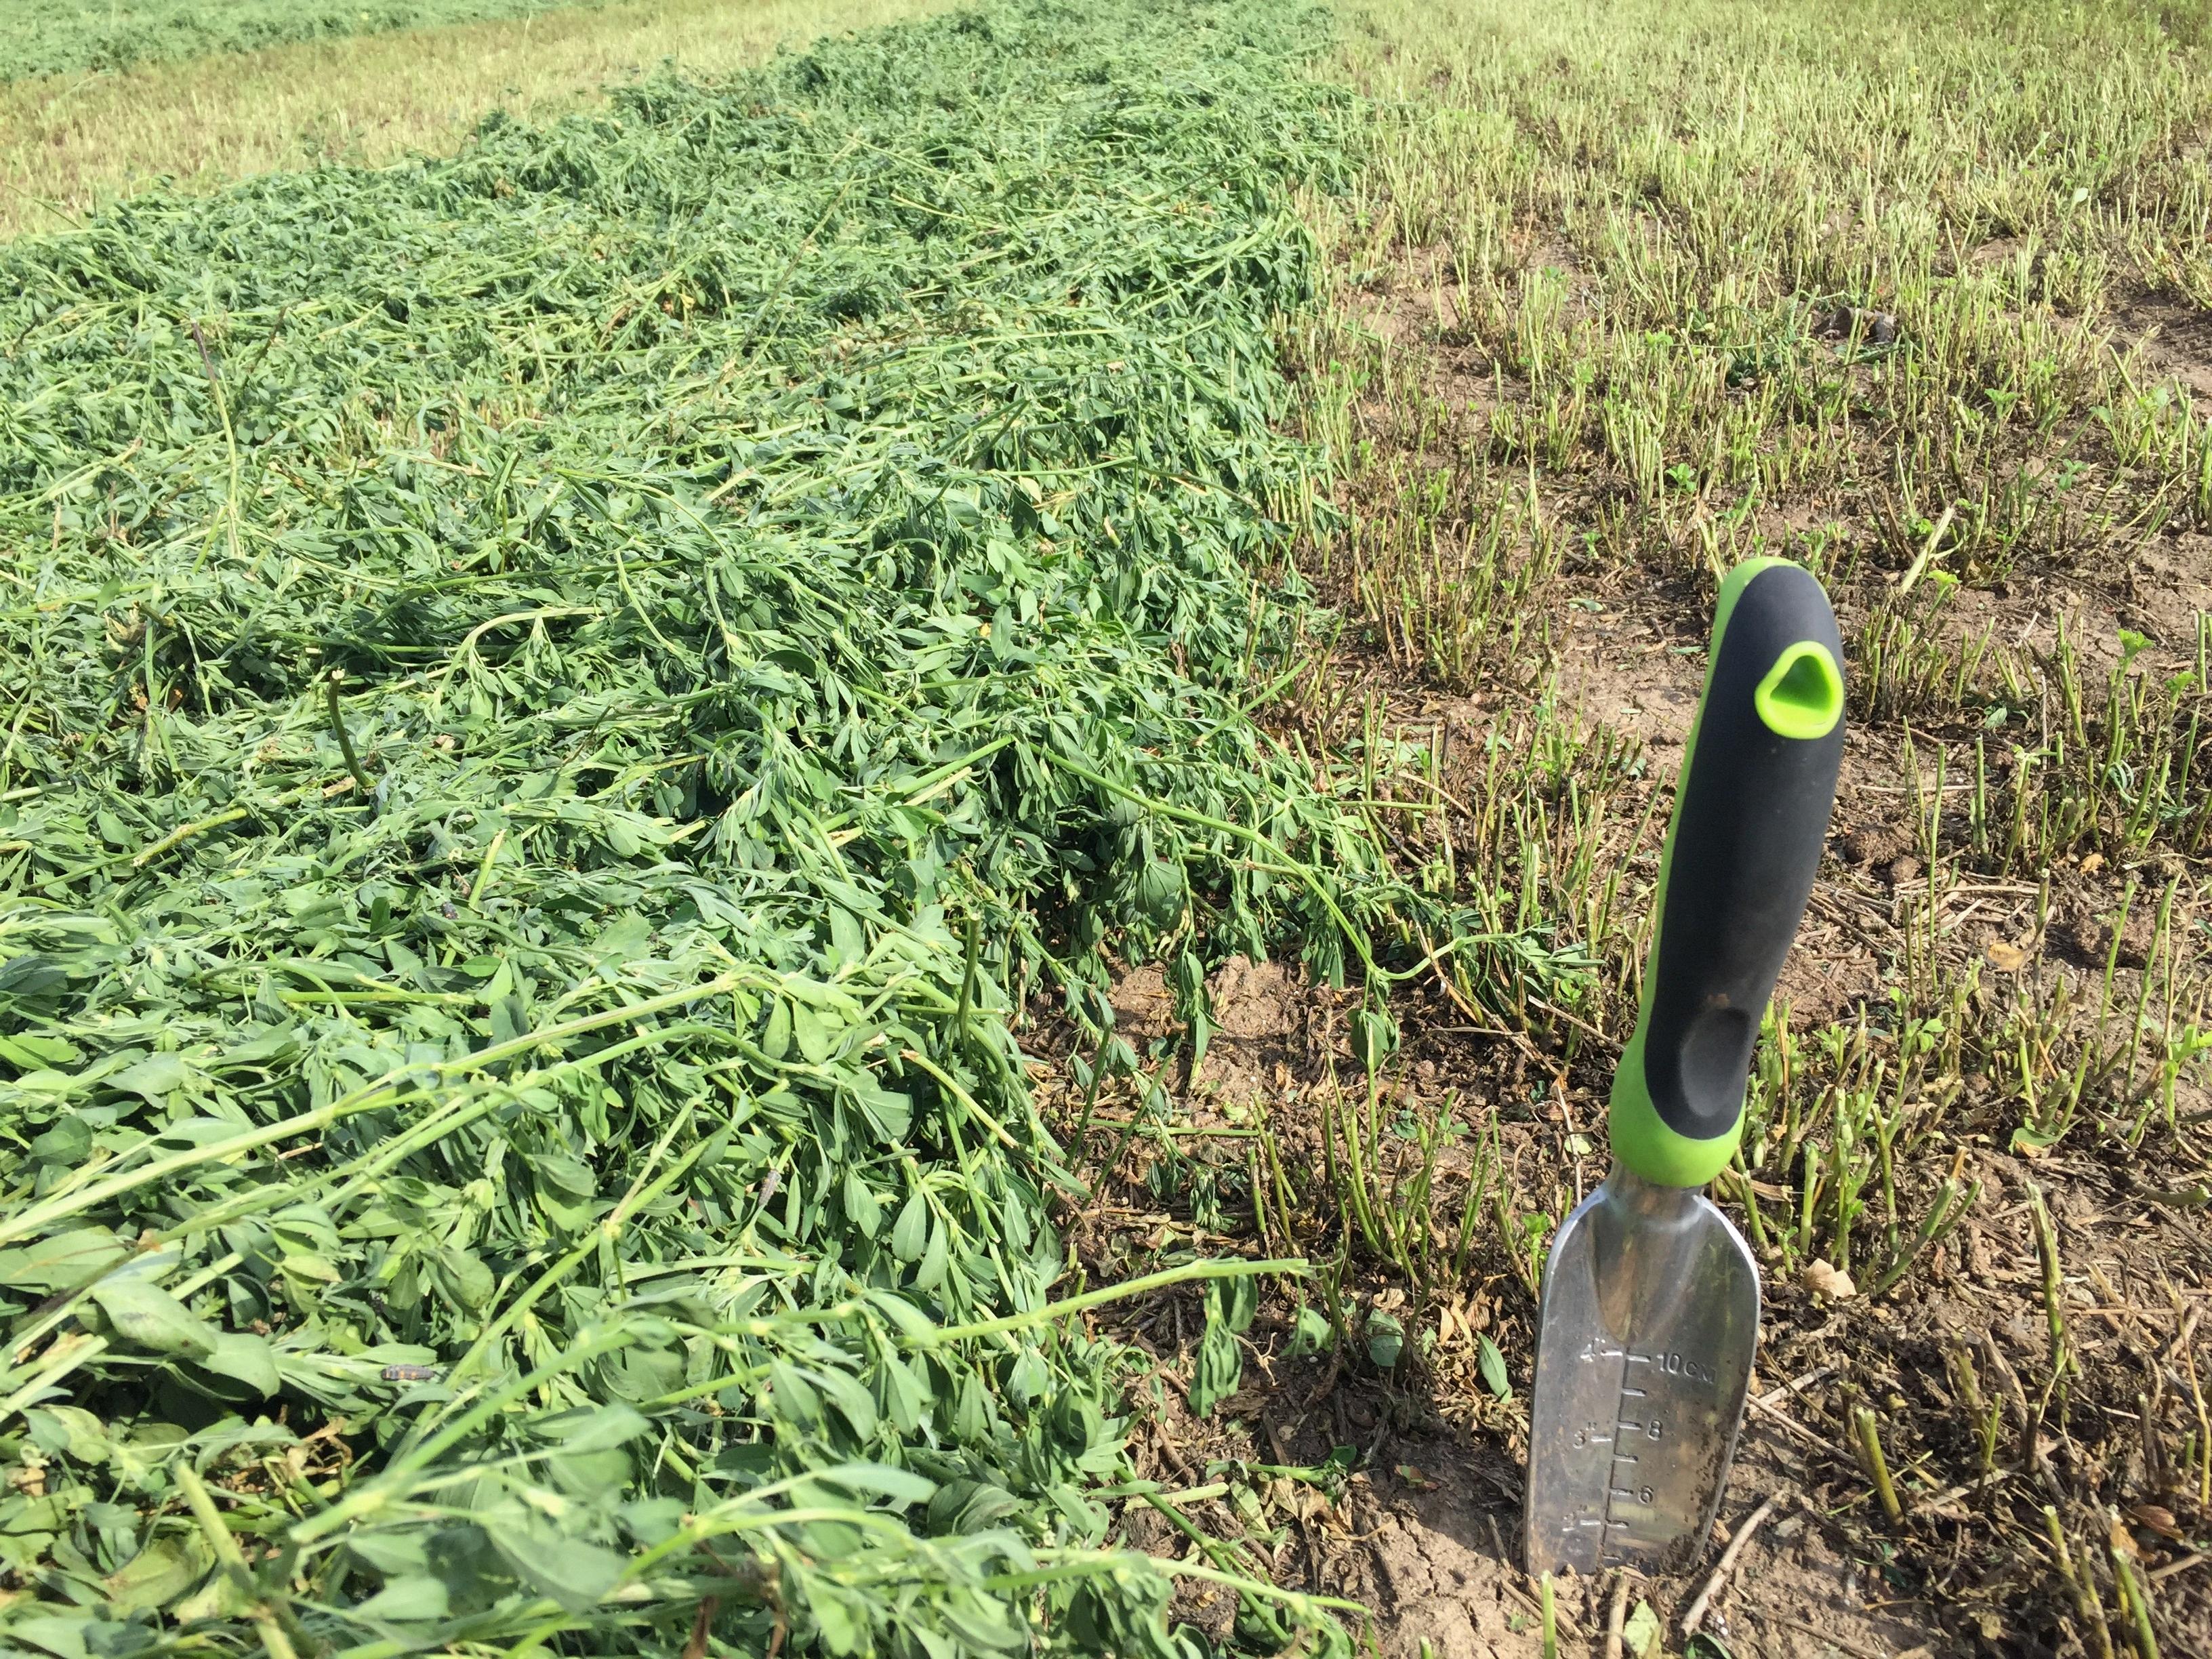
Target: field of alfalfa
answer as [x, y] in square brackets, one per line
[845, 859]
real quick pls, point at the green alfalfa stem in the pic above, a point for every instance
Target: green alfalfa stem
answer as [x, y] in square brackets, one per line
[1342, 1135]
[1870, 1438]
[361, 778]
[1227, 1560]
[2135, 1598]
[1951, 1201]
[1061, 1564]
[2086, 1606]
[1090, 1092]
[1280, 863]
[1143, 1285]
[29, 1223]
[268, 1618]
[974, 947]
[1482, 1170]
[1738, 1179]
[1968, 1383]
[2063, 1362]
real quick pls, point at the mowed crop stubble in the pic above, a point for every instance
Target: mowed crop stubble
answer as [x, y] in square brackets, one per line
[1624, 295]
[722, 821]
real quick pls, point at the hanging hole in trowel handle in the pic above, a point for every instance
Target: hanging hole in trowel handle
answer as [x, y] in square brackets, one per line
[1802, 694]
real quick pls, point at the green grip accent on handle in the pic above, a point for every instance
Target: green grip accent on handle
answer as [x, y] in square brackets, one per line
[1641, 1140]
[1802, 694]
[1750, 817]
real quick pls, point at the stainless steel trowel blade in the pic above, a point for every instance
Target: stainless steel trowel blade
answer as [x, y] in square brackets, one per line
[1644, 1353]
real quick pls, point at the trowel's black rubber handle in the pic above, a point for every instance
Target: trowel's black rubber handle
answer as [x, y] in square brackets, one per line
[1751, 815]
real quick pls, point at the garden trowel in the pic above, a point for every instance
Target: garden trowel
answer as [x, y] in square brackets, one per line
[1650, 1300]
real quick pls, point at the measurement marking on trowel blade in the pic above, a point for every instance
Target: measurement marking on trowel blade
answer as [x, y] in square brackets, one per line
[1636, 1423]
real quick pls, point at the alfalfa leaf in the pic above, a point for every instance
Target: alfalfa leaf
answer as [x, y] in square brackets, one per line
[153, 1079]
[910, 1232]
[170, 1563]
[1312, 1334]
[861, 1207]
[62, 1263]
[1219, 1368]
[1239, 1300]
[901, 1487]
[596, 1428]
[1491, 1363]
[413, 1598]
[1642, 1634]
[573, 1571]
[143, 1312]
[245, 1358]
[1386, 1339]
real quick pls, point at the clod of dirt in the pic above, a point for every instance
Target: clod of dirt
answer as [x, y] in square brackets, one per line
[1871, 843]
[1903, 870]
[1874, 327]
[1252, 999]
[2087, 936]
[1142, 1004]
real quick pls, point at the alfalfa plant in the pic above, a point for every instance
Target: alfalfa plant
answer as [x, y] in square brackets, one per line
[529, 1136]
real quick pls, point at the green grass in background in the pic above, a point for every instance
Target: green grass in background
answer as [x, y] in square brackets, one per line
[70, 143]
[60, 36]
